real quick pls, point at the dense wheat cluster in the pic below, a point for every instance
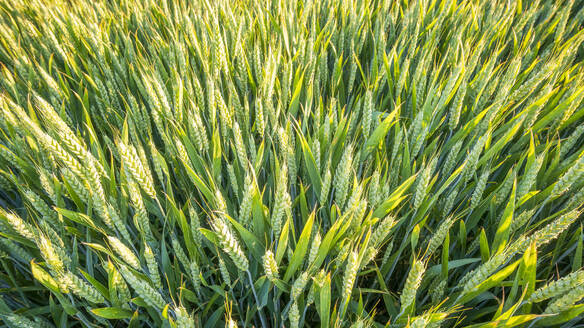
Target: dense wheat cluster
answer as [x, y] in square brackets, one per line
[297, 163]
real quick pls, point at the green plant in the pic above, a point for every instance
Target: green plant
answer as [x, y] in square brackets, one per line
[291, 163]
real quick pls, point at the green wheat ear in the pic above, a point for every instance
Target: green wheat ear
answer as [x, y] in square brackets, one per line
[230, 244]
[270, 266]
[412, 284]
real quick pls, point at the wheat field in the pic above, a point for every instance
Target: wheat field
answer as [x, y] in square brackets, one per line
[291, 163]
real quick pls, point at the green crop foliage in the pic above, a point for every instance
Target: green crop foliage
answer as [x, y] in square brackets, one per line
[284, 163]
